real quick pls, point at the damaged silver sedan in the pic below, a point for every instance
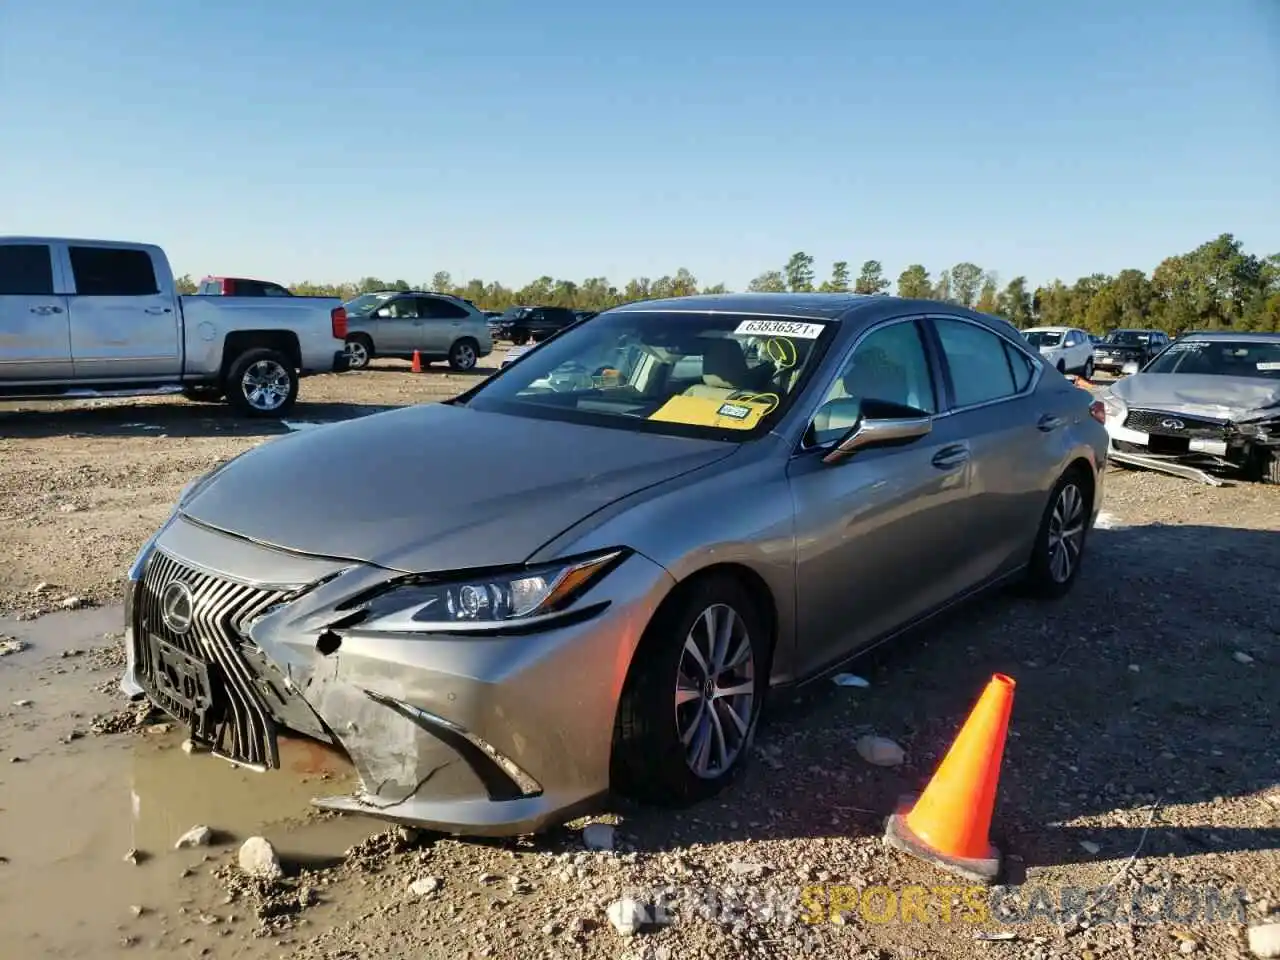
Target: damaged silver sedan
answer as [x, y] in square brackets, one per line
[1208, 406]
[585, 573]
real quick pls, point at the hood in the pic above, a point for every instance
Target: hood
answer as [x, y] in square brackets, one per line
[1206, 395]
[1121, 347]
[436, 487]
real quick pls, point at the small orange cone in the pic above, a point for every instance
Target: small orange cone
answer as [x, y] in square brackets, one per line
[949, 824]
[417, 362]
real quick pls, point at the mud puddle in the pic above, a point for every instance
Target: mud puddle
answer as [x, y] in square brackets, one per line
[73, 804]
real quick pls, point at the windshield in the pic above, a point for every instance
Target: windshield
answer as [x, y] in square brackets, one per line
[366, 302]
[1043, 338]
[1226, 358]
[514, 313]
[1133, 338]
[720, 376]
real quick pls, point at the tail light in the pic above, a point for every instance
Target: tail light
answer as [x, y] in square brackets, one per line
[1098, 411]
[338, 321]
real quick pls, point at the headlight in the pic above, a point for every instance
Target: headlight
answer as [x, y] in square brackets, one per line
[482, 601]
[1116, 409]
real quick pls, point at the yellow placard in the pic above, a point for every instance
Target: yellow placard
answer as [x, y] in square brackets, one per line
[733, 413]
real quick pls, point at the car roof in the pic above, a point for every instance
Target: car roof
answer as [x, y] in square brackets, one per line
[1249, 336]
[820, 306]
[1049, 329]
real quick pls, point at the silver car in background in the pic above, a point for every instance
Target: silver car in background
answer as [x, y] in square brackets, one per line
[586, 572]
[397, 324]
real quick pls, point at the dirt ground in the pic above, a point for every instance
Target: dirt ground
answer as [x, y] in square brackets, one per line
[1143, 758]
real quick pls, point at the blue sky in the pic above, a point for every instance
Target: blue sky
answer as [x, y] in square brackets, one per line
[499, 139]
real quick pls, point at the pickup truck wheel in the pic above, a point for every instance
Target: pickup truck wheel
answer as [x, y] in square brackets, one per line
[262, 383]
[520, 337]
[359, 352]
[203, 394]
[463, 355]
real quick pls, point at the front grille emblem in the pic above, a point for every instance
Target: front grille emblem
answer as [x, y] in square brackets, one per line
[1173, 424]
[177, 606]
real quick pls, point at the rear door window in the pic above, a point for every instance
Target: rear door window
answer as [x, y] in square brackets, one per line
[26, 269]
[437, 308]
[113, 272]
[978, 361]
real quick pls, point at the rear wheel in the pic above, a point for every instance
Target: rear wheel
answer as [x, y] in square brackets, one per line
[689, 709]
[520, 337]
[463, 355]
[1059, 546]
[262, 383]
[1088, 369]
[1062, 367]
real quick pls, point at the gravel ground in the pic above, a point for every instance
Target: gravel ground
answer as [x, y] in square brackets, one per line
[1144, 750]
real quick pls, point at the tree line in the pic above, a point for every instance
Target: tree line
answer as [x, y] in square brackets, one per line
[1216, 286]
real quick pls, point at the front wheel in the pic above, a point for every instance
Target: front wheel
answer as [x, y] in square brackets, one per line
[359, 352]
[1088, 369]
[1062, 367]
[262, 383]
[691, 702]
[463, 355]
[520, 337]
[1059, 546]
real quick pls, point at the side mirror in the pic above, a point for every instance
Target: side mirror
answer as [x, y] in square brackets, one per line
[881, 424]
[1130, 368]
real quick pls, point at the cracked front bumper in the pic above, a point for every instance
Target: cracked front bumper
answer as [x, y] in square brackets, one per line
[485, 735]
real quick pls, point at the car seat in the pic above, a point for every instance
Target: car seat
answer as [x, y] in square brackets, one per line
[724, 371]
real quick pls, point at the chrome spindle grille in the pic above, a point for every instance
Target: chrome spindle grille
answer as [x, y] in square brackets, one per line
[174, 665]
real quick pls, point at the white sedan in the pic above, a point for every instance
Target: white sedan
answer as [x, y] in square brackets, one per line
[1069, 349]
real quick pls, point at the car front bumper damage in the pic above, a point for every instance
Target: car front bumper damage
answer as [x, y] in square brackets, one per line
[467, 734]
[1196, 448]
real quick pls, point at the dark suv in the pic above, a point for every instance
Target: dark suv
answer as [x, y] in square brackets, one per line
[1120, 347]
[522, 324]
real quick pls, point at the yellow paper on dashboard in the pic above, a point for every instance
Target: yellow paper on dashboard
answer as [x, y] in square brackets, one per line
[736, 413]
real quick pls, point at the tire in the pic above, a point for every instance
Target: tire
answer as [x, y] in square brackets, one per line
[1068, 508]
[1062, 367]
[1266, 467]
[359, 351]
[520, 337]
[1088, 369]
[464, 355]
[650, 760]
[203, 394]
[273, 372]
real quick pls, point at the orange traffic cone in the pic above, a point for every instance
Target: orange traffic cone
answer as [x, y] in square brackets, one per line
[417, 362]
[949, 824]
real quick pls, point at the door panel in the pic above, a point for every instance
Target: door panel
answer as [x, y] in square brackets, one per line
[35, 341]
[880, 536]
[996, 407]
[879, 540]
[442, 323]
[123, 326]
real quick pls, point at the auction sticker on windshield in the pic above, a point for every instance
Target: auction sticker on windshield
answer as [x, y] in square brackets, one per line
[779, 328]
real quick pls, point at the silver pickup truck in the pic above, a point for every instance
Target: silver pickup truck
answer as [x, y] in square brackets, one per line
[99, 318]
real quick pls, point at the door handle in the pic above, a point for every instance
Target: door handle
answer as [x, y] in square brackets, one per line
[45, 311]
[1048, 423]
[156, 311]
[952, 456]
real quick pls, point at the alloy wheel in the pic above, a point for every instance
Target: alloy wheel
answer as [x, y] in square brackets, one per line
[357, 353]
[715, 691]
[464, 356]
[1066, 533]
[266, 385]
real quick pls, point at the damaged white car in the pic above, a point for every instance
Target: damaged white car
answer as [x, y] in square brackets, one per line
[1206, 406]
